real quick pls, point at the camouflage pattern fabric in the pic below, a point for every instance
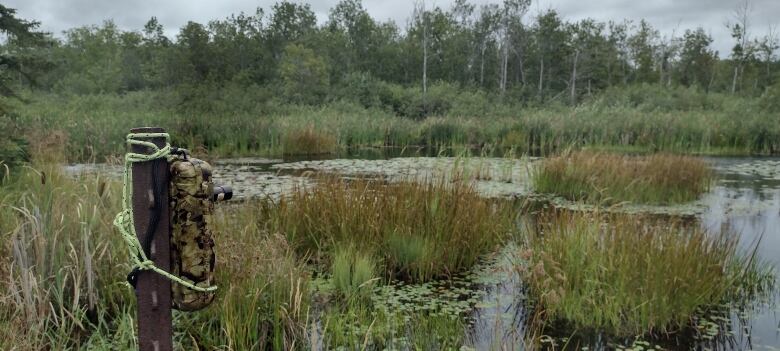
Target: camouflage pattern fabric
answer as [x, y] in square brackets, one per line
[192, 243]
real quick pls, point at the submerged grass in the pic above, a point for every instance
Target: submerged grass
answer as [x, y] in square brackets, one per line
[598, 177]
[624, 276]
[416, 230]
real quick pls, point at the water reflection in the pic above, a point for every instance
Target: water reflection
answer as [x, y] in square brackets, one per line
[746, 200]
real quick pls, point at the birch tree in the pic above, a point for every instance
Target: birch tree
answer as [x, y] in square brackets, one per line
[743, 49]
[421, 22]
[511, 16]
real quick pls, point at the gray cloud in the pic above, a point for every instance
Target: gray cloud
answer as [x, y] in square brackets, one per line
[667, 15]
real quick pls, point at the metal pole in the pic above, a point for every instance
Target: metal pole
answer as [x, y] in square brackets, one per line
[153, 292]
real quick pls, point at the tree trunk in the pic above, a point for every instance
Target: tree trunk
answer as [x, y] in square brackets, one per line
[734, 80]
[522, 69]
[541, 75]
[425, 61]
[482, 65]
[573, 96]
[504, 66]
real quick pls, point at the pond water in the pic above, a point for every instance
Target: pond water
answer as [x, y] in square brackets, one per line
[745, 199]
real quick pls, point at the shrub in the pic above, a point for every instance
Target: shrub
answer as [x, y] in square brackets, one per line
[610, 178]
[13, 149]
[304, 75]
[770, 100]
[627, 276]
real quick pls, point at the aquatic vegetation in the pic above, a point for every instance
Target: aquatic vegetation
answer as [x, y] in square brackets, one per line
[492, 177]
[260, 128]
[627, 276]
[263, 299]
[417, 230]
[57, 238]
[308, 141]
[612, 178]
[353, 273]
[398, 315]
[361, 327]
[63, 268]
[58, 272]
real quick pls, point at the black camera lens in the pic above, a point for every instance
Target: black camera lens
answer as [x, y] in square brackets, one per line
[222, 193]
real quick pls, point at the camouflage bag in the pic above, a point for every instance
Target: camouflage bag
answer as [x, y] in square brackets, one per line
[192, 241]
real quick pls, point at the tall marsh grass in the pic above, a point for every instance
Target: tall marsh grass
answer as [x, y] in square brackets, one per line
[59, 258]
[626, 276]
[714, 124]
[609, 178]
[308, 141]
[416, 230]
[62, 271]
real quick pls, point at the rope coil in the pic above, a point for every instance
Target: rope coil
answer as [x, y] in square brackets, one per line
[124, 221]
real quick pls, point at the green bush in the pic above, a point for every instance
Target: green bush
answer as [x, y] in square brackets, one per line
[770, 100]
[13, 148]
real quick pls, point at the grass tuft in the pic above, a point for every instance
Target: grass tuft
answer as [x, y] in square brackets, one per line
[611, 178]
[417, 231]
[626, 276]
[352, 273]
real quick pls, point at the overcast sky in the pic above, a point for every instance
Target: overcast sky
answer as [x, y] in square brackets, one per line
[665, 15]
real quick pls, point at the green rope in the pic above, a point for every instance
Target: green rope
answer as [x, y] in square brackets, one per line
[124, 220]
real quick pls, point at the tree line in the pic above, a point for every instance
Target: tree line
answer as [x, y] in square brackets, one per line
[500, 49]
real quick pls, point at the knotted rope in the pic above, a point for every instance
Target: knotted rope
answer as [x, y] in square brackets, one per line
[124, 220]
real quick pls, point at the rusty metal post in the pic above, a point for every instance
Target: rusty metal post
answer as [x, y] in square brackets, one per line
[153, 291]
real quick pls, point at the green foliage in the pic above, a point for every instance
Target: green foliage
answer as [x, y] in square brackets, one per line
[439, 131]
[493, 51]
[13, 149]
[95, 56]
[770, 100]
[613, 178]
[304, 75]
[627, 276]
[21, 58]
